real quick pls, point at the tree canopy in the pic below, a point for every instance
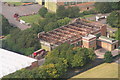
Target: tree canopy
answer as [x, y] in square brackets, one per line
[43, 11]
[113, 19]
[108, 57]
[71, 12]
[6, 27]
[106, 7]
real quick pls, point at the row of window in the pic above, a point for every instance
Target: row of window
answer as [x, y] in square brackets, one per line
[71, 3]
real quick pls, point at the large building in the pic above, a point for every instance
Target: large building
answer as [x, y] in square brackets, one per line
[52, 5]
[10, 62]
[80, 33]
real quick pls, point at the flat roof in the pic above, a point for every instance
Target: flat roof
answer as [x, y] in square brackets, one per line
[107, 39]
[10, 62]
[89, 36]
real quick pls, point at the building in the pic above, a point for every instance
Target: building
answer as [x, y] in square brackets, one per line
[10, 62]
[80, 32]
[107, 43]
[52, 5]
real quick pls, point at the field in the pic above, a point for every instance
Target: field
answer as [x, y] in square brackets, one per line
[31, 19]
[15, 3]
[104, 70]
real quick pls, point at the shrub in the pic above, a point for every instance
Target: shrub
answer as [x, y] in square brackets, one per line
[108, 57]
[43, 11]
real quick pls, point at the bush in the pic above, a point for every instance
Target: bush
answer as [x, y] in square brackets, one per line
[114, 19]
[108, 57]
[89, 12]
[50, 15]
[71, 12]
[43, 11]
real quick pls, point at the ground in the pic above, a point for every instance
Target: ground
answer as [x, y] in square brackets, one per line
[15, 3]
[105, 70]
[9, 11]
[32, 18]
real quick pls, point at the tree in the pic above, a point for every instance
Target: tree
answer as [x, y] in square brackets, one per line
[64, 21]
[106, 7]
[50, 15]
[6, 27]
[108, 57]
[103, 7]
[115, 5]
[50, 26]
[73, 12]
[117, 35]
[61, 12]
[113, 19]
[43, 11]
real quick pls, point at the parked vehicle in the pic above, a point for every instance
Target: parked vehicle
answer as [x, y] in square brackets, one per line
[41, 52]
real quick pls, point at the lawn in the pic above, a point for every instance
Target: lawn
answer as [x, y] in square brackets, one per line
[31, 19]
[104, 70]
[15, 3]
[91, 15]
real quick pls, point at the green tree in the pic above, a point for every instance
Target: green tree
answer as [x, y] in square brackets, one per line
[113, 19]
[103, 7]
[108, 57]
[43, 11]
[117, 34]
[64, 21]
[73, 12]
[6, 27]
[61, 12]
[50, 26]
[50, 15]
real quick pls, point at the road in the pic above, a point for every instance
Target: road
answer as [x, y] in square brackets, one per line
[9, 11]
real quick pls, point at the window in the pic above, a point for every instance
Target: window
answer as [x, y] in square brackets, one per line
[115, 46]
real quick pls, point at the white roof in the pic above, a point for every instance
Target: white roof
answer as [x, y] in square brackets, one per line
[11, 62]
[89, 36]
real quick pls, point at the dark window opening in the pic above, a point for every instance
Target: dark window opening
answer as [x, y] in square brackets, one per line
[43, 2]
[115, 47]
[87, 8]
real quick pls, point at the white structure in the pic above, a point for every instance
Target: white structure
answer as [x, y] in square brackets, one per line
[11, 62]
[100, 17]
[22, 22]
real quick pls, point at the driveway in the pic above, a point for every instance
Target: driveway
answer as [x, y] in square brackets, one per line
[100, 52]
[9, 11]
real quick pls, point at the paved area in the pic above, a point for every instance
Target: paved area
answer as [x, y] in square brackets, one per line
[9, 11]
[100, 52]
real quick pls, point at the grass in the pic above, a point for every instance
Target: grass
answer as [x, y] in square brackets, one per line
[104, 70]
[15, 3]
[86, 16]
[32, 19]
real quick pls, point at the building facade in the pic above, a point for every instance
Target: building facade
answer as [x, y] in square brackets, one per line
[80, 33]
[52, 5]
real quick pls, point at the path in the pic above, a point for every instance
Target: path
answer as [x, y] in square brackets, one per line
[9, 11]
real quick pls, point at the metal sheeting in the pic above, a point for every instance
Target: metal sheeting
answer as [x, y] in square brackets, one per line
[11, 62]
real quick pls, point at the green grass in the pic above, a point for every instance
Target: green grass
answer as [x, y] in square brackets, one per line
[104, 70]
[15, 3]
[86, 16]
[31, 19]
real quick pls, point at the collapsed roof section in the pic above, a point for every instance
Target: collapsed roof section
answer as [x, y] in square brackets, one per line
[71, 33]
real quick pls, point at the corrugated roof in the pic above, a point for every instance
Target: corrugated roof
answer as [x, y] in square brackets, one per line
[11, 62]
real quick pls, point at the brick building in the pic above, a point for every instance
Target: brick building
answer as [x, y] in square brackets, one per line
[107, 43]
[79, 33]
[52, 5]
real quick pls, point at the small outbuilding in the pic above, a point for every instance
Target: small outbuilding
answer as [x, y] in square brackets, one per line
[107, 43]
